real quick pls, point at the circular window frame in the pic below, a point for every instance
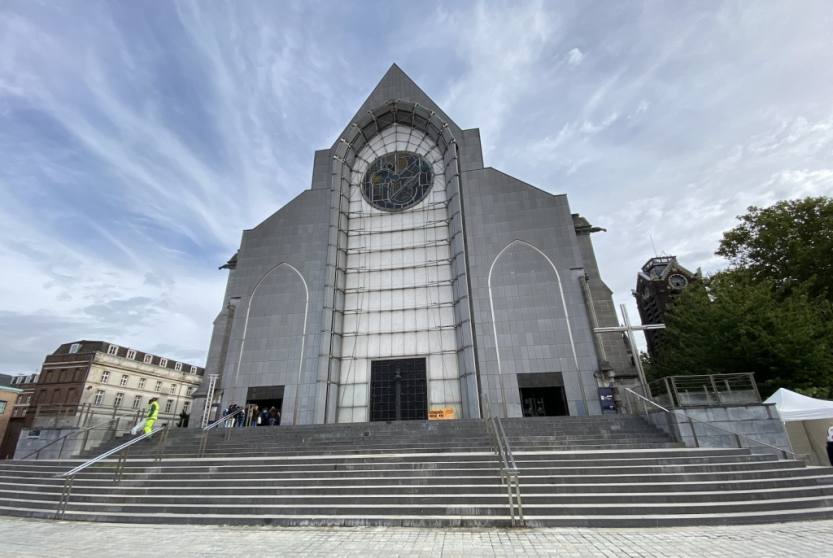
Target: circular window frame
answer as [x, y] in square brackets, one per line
[425, 166]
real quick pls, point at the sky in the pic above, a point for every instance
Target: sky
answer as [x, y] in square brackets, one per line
[138, 139]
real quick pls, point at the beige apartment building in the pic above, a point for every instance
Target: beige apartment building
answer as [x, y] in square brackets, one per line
[106, 387]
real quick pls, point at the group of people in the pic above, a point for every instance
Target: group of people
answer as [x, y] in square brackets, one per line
[252, 415]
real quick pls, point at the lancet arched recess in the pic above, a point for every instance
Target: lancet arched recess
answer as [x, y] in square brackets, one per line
[345, 152]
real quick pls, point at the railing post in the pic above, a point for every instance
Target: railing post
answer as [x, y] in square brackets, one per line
[65, 492]
[120, 466]
[714, 388]
[84, 441]
[694, 432]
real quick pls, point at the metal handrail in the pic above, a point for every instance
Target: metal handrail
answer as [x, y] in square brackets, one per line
[69, 476]
[691, 419]
[223, 419]
[106, 454]
[509, 473]
[65, 436]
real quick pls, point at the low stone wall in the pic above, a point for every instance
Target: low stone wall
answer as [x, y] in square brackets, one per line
[759, 422]
[64, 449]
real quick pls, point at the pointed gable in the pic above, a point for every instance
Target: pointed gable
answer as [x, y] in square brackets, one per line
[396, 84]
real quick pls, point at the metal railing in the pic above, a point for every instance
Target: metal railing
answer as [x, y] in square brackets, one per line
[509, 473]
[122, 450]
[222, 420]
[673, 421]
[86, 431]
[706, 390]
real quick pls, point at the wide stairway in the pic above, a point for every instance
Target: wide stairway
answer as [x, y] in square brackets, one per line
[611, 471]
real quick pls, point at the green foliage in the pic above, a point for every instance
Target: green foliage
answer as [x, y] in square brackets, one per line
[733, 322]
[786, 245]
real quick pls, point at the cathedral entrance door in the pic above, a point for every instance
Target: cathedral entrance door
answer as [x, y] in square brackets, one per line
[266, 398]
[398, 390]
[543, 402]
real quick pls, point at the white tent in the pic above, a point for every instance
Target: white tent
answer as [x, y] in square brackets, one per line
[794, 406]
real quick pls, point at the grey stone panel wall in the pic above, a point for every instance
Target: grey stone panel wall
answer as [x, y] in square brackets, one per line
[471, 152]
[322, 170]
[500, 209]
[396, 84]
[466, 360]
[295, 235]
[613, 344]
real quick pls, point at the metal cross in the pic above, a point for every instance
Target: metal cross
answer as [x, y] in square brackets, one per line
[630, 329]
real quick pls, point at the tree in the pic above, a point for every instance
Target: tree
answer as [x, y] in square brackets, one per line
[731, 322]
[786, 245]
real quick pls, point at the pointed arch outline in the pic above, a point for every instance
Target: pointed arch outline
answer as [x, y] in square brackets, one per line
[303, 331]
[494, 321]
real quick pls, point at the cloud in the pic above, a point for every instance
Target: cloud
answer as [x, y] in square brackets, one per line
[574, 57]
[136, 142]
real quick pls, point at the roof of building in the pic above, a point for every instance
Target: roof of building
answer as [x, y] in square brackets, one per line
[89, 347]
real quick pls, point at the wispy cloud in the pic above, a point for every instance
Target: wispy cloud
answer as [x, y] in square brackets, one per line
[136, 141]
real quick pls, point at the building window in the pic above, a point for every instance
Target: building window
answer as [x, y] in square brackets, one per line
[99, 398]
[113, 350]
[56, 396]
[178, 367]
[131, 354]
[148, 359]
[118, 400]
[163, 362]
[2, 407]
[158, 386]
[188, 391]
[141, 383]
[137, 401]
[123, 381]
[173, 388]
[105, 376]
[193, 370]
[168, 405]
[187, 407]
[74, 348]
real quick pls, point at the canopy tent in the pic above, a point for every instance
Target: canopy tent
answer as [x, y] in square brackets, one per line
[794, 406]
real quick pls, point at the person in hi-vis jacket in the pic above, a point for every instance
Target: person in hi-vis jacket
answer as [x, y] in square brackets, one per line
[150, 418]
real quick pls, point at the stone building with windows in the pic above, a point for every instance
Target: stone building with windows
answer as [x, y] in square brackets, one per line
[410, 281]
[87, 382]
[8, 399]
[26, 384]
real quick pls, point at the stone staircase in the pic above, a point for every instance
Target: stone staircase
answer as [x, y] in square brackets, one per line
[611, 471]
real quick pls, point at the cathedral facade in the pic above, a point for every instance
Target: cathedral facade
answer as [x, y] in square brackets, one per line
[412, 282]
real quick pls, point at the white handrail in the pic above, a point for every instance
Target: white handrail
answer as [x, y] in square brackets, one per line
[222, 419]
[106, 454]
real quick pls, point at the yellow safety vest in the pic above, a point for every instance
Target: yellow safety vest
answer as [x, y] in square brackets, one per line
[153, 410]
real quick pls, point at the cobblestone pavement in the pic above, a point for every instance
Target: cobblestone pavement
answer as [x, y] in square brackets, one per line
[24, 538]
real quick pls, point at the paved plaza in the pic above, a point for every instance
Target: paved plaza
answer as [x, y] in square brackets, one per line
[24, 538]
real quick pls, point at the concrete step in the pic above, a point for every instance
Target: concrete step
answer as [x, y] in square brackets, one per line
[611, 471]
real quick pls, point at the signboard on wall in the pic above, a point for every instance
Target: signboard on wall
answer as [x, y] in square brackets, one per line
[606, 400]
[441, 414]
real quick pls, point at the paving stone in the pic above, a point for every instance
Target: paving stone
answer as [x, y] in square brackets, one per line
[29, 538]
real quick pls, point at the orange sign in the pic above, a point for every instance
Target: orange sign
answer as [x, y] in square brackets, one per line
[441, 414]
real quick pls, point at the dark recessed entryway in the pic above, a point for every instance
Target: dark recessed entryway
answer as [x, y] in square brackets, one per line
[542, 395]
[266, 397]
[398, 389]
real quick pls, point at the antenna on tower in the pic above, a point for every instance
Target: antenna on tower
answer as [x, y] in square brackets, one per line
[653, 246]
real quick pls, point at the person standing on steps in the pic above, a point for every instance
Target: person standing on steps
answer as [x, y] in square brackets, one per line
[151, 415]
[830, 445]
